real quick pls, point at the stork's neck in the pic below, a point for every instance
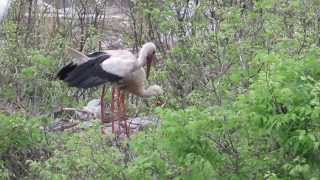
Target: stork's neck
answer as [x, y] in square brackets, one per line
[142, 59]
[146, 50]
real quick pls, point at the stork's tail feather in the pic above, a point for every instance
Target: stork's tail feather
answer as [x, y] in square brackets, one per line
[63, 73]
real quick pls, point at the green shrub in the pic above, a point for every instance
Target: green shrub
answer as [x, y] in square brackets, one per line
[182, 148]
[84, 155]
[270, 132]
[280, 115]
[21, 141]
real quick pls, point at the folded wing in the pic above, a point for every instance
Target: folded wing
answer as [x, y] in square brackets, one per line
[88, 74]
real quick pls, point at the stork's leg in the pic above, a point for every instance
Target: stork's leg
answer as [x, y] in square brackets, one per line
[102, 105]
[119, 116]
[123, 112]
[112, 107]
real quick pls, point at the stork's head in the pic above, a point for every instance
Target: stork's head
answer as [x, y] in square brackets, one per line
[150, 50]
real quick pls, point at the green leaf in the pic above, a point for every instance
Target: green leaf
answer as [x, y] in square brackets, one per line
[29, 72]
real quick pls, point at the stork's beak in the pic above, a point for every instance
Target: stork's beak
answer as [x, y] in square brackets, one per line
[150, 60]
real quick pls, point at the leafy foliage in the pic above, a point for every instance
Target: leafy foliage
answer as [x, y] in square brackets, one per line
[242, 93]
[21, 141]
[81, 156]
[280, 110]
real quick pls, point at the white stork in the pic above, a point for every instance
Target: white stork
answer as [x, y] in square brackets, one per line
[119, 67]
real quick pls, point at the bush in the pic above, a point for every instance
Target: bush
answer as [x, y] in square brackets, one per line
[186, 147]
[21, 141]
[84, 155]
[280, 115]
[269, 132]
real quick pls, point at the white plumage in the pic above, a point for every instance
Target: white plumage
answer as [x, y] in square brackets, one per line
[120, 63]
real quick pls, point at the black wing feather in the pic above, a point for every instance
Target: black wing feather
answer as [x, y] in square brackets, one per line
[88, 74]
[63, 73]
